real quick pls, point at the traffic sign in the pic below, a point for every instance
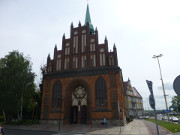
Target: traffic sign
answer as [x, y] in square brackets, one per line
[167, 111]
[176, 85]
[149, 83]
[152, 101]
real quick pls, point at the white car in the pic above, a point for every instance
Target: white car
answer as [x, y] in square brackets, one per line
[164, 117]
[174, 119]
[159, 116]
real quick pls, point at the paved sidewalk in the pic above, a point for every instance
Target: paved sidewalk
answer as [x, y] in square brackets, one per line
[136, 127]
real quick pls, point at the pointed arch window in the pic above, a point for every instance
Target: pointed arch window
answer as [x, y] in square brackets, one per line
[67, 49]
[101, 92]
[75, 62]
[102, 57]
[83, 61]
[66, 63]
[75, 43]
[111, 60]
[49, 67]
[92, 45]
[83, 47]
[57, 95]
[58, 64]
[93, 60]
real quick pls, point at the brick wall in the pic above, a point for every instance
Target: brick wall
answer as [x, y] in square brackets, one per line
[88, 82]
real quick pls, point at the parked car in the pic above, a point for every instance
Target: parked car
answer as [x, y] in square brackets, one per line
[159, 116]
[141, 117]
[146, 117]
[164, 117]
[174, 119]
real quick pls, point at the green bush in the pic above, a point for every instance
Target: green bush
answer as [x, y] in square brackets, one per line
[23, 122]
[1, 118]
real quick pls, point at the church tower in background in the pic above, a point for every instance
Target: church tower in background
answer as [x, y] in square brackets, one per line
[83, 82]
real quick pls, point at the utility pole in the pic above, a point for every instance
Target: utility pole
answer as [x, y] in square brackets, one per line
[157, 56]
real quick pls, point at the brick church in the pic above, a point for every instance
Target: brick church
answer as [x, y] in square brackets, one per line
[83, 82]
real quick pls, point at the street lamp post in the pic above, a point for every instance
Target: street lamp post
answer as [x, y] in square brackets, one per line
[157, 56]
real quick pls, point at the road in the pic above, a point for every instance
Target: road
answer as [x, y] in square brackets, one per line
[27, 132]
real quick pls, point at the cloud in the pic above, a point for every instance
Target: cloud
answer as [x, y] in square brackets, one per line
[167, 86]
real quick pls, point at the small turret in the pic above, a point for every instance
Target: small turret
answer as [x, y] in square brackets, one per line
[72, 25]
[105, 41]
[55, 50]
[115, 54]
[79, 24]
[63, 38]
[48, 58]
[114, 47]
[96, 34]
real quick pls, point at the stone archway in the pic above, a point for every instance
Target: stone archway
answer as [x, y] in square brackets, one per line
[77, 102]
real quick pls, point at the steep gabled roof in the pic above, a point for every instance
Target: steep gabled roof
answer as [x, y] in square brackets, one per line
[136, 93]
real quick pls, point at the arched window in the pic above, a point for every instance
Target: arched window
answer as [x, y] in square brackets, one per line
[83, 47]
[57, 95]
[102, 57]
[75, 43]
[101, 92]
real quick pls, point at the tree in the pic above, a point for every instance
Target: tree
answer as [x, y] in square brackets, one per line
[16, 84]
[38, 96]
[176, 103]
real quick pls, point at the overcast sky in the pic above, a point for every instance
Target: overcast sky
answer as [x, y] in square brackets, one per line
[139, 28]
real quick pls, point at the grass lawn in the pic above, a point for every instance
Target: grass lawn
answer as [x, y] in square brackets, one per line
[170, 126]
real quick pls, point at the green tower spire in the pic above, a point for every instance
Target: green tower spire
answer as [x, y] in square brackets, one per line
[88, 19]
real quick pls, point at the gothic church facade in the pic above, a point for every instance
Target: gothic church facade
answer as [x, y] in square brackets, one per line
[83, 82]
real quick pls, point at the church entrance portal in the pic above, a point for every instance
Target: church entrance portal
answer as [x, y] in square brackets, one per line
[83, 114]
[79, 105]
[74, 114]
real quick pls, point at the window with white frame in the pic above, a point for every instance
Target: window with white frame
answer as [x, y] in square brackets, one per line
[111, 60]
[58, 65]
[66, 63]
[83, 47]
[75, 43]
[102, 57]
[75, 62]
[93, 60]
[67, 49]
[49, 67]
[83, 62]
[92, 45]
